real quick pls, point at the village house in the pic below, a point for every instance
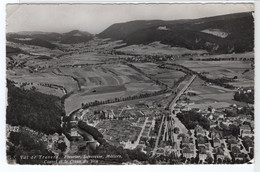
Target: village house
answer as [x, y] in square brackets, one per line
[220, 156]
[239, 156]
[202, 153]
[200, 131]
[231, 140]
[251, 149]
[216, 142]
[214, 133]
[108, 114]
[213, 124]
[245, 130]
[74, 134]
[235, 148]
[219, 152]
[187, 153]
[184, 109]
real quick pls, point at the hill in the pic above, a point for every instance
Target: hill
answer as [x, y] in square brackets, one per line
[46, 39]
[13, 51]
[33, 109]
[75, 36]
[221, 34]
[30, 40]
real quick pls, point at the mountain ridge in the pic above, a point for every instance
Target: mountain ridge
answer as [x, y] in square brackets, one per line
[238, 29]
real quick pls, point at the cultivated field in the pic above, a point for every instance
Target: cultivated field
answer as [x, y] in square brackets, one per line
[210, 95]
[104, 82]
[224, 69]
[76, 58]
[42, 78]
[166, 76]
[157, 48]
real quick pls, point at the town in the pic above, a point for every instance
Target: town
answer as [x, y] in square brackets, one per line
[81, 98]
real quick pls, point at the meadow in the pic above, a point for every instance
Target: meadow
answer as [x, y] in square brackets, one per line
[105, 82]
[210, 95]
[157, 48]
[166, 76]
[240, 71]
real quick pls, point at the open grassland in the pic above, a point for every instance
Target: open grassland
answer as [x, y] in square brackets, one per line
[224, 69]
[210, 95]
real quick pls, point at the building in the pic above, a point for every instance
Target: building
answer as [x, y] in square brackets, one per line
[214, 133]
[187, 153]
[200, 131]
[245, 130]
[220, 156]
[216, 142]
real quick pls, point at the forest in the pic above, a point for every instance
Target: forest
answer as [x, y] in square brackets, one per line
[33, 109]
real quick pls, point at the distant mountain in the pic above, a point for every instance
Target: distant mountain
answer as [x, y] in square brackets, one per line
[75, 36]
[42, 40]
[220, 34]
[45, 39]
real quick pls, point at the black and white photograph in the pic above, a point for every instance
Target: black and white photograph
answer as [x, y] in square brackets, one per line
[123, 84]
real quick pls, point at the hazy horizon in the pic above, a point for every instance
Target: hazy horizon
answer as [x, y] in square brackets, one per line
[95, 18]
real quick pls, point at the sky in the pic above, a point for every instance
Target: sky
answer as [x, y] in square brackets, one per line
[95, 18]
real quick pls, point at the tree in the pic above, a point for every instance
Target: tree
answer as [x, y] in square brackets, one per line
[62, 146]
[209, 159]
[176, 130]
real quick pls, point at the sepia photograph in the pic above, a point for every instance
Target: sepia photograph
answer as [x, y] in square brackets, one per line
[122, 84]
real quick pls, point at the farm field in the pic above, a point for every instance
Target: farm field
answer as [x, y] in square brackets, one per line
[105, 82]
[210, 95]
[102, 75]
[241, 56]
[166, 76]
[157, 48]
[219, 69]
[82, 58]
[97, 82]
[43, 78]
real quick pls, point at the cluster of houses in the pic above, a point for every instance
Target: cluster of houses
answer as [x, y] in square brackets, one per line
[229, 138]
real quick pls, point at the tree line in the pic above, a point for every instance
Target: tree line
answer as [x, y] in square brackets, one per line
[219, 81]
